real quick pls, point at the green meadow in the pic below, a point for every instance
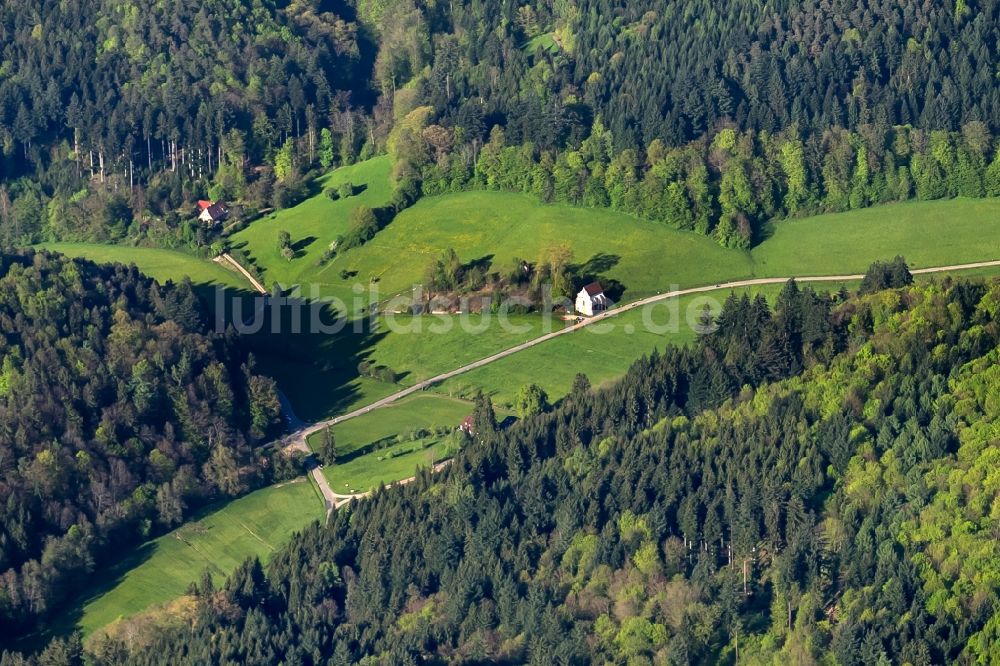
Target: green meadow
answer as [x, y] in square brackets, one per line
[319, 373]
[603, 351]
[313, 225]
[927, 233]
[494, 227]
[218, 539]
[413, 413]
[389, 444]
[643, 257]
[497, 227]
[383, 467]
[162, 265]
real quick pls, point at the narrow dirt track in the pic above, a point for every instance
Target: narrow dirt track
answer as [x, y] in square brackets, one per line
[227, 259]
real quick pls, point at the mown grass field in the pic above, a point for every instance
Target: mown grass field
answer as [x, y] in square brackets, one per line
[603, 352]
[218, 539]
[163, 265]
[397, 462]
[927, 233]
[359, 470]
[421, 347]
[422, 411]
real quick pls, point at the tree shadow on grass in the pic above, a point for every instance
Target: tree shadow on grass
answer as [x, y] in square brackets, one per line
[315, 369]
[252, 260]
[482, 263]
[312, 188]
[299, 247]
[763, 232]
[96, 585]
[214, 298]
[613, 289]
[593, 270]
[594, 267]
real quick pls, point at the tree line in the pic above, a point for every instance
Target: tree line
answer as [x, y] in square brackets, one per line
[715, 119]
[728, 185]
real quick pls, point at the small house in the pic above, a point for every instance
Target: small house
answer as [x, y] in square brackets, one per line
[214, 213]
[591, 300]
[466, 425]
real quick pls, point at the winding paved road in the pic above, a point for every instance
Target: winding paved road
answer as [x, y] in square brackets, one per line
[437, 379]
[297, 439]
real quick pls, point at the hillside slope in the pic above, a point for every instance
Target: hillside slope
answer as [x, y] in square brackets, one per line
[120, 414]
[829, 509]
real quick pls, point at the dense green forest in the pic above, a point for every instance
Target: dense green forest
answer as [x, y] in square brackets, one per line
[712, 118]
[673, 71]
[123, 87]
[147, 103]
[811, 483]
[119, 415]
[116, 117]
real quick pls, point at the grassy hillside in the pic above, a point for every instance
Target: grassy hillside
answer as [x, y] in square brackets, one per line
[160, 264]
[605, 352]
[361, 466]
[927, 233]
[219, 539]
[412, 413]
[313, 225]
[602, 352]
[386, 466]
[643, 256]
[319, 373]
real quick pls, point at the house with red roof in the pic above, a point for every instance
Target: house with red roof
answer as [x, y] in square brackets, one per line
[213, 213]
